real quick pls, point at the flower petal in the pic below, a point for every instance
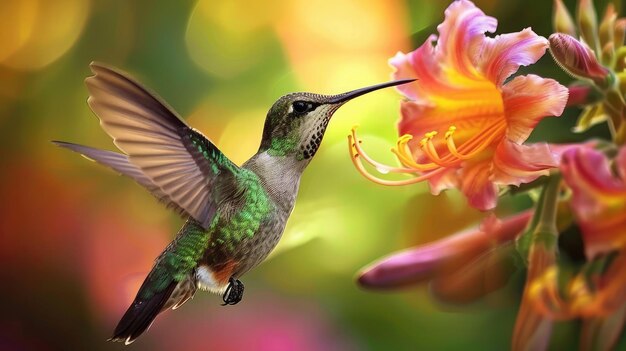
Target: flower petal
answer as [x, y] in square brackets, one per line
[598, 199]
[485, 273]
[425, 64]
[532, 328]
[527, 100]
[420, 64]
[478, 187]
[446, 180]
[439, 68]
[588, 174]
[460, 33]
[514, 164]
[501, 56]
[601, 333]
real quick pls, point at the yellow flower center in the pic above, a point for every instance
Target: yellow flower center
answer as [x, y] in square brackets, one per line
[470, 149]
[475, 114]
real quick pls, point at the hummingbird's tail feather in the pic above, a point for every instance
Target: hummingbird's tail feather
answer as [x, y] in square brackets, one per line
[120, 163]
[142, 312]
[140, 315]
[184, 291]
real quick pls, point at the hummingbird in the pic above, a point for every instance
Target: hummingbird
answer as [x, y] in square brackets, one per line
[235, 215]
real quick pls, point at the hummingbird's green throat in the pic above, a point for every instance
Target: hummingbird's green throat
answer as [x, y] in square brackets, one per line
[235, 214]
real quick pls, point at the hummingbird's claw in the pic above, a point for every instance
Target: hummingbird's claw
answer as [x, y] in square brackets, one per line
[233, 293]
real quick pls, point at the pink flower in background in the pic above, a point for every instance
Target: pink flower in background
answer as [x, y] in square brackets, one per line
[597, 293]
[469, 123]
[598, 198]
[599, 204]
[116, 256]
[262, 323]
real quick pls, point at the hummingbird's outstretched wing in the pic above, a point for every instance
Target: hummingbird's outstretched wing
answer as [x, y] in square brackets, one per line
[120, 163]
[178, 159]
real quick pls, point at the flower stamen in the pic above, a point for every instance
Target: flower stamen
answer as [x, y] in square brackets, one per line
[357, 151]
[438, 164]
[356, 160]
[476, 144]
[404, 154]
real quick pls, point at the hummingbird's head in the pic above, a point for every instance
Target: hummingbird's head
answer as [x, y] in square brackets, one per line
[296, 123]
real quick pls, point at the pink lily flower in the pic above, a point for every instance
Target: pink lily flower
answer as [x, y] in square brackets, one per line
[597, 295]
[598, 198]
[470, 125]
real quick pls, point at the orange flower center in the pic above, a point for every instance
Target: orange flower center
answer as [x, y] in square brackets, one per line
[470, 149]
[475, 121]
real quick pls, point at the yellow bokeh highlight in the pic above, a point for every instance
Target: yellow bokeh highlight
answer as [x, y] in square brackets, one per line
[36, 33]
[16, 25]
[236, 132]
[223, 46]
[339, 44]
[241, 137]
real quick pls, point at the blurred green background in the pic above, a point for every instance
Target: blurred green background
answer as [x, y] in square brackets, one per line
[77, 240]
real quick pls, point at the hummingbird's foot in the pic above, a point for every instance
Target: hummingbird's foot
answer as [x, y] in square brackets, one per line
[233, 293]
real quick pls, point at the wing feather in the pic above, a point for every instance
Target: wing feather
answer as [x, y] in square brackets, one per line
[177, 159]
[119, 163]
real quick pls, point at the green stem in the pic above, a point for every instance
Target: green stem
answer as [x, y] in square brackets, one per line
[542, 228]
[546, 221]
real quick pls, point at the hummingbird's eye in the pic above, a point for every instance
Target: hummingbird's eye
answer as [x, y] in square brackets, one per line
[302, 106]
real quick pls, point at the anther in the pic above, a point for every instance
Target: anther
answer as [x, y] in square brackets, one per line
[449, 133]
[431, 135]
[405, 138]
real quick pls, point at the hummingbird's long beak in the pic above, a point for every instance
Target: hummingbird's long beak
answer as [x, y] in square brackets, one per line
[341, 98]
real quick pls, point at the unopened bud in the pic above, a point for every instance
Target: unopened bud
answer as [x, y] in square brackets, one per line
[607, 24]
[582, 94]
[620, 59]
[607, 32]
[562, 20]
[608, 53]
[576, 58]
[588, 24]
[619, 33]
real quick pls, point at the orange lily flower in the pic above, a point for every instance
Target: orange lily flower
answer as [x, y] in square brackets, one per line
[469, 121]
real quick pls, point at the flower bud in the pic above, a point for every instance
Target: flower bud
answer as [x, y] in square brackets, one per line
[582, 94]
[619, 33]
[441, 257]
[607, 26]
[608, 53]
[620, 59]
[588, 24]
[576, 58]
[562, 20]
[533, 328]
